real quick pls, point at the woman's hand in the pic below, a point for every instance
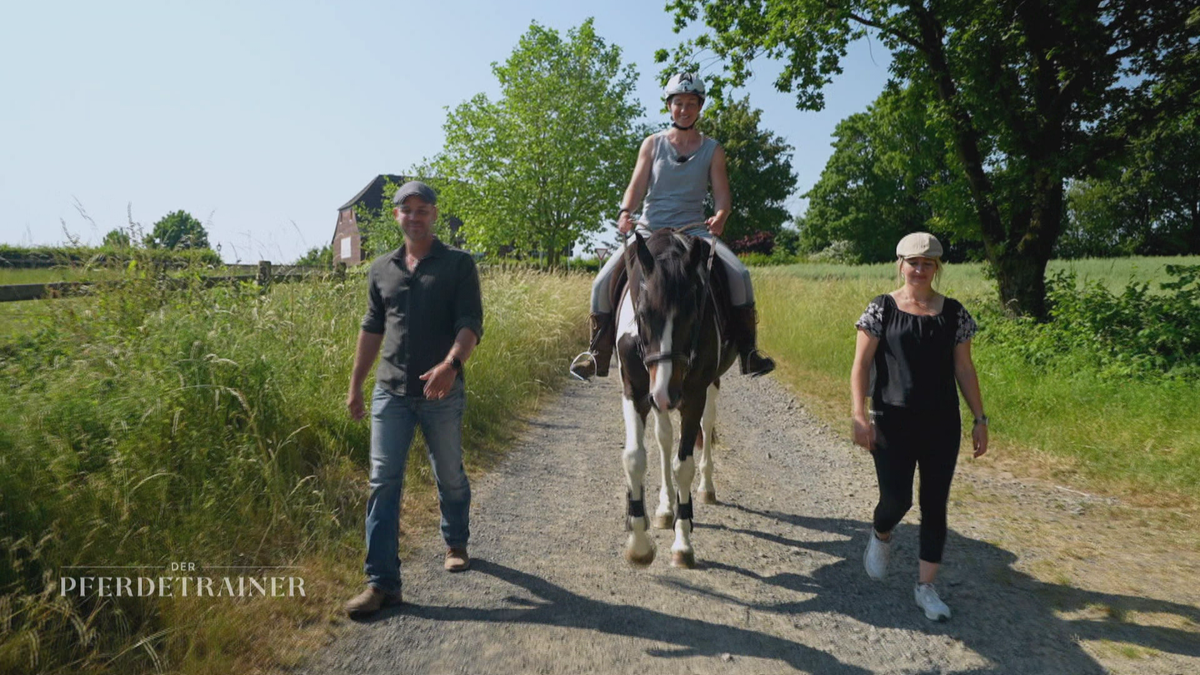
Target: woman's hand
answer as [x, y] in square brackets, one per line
[716, 225]
[864, 433]
[625, 223]
[979, 438]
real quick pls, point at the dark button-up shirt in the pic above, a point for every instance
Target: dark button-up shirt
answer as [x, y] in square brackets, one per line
[419, 312]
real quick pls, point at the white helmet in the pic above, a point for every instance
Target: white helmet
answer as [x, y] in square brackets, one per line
[684, 83]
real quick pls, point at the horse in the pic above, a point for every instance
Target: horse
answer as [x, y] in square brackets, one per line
[671, 351]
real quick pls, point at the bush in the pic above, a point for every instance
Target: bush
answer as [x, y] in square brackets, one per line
[44, 256]
[778, 257]
[760, 242]
[1137, 333]
[841, 251]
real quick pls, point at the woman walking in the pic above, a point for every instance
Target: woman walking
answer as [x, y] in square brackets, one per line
[673, 172]
[913, 345]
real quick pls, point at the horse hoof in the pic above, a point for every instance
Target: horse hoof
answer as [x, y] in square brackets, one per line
[684, 559]
[664, 521]
[640, 560]
[706, 497]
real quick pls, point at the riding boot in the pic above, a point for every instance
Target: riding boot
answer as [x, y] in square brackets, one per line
[744, 321]
[599, 353]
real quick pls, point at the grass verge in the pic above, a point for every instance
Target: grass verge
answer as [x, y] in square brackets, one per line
[1137, 437]
[147, 426]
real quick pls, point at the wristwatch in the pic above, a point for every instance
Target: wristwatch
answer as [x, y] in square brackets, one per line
[455, 363]
[982, 420]
[622, 210]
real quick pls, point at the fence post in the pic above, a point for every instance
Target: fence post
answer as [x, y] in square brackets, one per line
[264, 274]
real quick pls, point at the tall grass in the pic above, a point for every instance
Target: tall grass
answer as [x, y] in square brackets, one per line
[1132, 435]
[147, 426]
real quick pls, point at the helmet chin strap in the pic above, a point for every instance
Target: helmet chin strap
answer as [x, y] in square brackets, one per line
[687, 128]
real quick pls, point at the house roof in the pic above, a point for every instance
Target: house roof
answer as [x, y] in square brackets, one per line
[371, 196]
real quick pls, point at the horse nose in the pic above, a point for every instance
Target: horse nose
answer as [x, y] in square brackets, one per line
[662, 402]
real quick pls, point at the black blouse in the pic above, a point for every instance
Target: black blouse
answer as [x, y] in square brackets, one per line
[914, 362]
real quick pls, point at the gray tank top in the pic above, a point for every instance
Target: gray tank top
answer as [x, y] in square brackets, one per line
[677, 189]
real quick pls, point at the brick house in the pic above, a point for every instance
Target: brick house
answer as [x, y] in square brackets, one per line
[347, 240]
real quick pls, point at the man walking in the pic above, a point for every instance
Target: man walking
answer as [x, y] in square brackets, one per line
[424, 308]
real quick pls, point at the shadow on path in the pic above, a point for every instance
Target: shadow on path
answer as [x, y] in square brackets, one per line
[555, 606]
[1000, 612]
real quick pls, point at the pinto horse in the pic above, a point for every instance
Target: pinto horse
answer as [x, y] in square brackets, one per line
[671, 351]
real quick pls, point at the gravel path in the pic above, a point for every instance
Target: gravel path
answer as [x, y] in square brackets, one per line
[779, 586]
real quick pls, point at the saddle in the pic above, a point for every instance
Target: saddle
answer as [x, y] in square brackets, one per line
[718, 286]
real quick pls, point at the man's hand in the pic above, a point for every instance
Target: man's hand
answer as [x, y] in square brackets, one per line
[438, 380]
[354, 404]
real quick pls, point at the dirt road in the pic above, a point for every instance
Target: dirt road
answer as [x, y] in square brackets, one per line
[779, 584]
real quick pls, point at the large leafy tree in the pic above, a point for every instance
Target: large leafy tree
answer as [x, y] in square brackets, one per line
[1147, 204]
[760, 168]
[1029, 93]
[542, 165]
[889, 175]
[177, 230]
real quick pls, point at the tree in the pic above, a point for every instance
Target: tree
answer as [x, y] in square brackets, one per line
[542, 165]
[317, 257]
[888, 176]
[1029, 93]
[117, 238]
[1147, 204]
[760, 169]
[177, 230]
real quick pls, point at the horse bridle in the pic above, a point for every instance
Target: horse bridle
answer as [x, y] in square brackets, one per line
[697, 326]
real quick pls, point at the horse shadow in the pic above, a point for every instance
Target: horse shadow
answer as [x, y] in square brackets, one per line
[1014, 621]
[555, 606]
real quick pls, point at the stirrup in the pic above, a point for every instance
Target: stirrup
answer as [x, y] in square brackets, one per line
[766, 364]
[577, 361]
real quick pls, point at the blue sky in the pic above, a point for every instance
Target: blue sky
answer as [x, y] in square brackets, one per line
[261, 118]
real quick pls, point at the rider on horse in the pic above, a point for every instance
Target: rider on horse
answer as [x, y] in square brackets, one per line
[673, 172]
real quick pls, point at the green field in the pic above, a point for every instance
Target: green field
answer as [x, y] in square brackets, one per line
[1137, 435]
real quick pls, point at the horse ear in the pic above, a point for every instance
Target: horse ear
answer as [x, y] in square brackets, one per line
[645, 260]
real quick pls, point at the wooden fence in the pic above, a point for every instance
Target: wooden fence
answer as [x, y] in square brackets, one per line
[264, 274]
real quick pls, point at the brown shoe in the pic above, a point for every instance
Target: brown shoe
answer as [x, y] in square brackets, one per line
[457, 560]
[370, 601]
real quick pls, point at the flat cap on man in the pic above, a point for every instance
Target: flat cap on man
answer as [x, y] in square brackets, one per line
[414, 187]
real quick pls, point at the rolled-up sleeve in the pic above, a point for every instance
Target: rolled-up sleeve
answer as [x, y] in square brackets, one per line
[468, 303]
[374, 320]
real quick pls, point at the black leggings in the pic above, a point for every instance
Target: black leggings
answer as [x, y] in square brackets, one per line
[904, 440]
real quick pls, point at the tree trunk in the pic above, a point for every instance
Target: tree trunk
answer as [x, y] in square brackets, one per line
[1021, 264]
[1022, 282]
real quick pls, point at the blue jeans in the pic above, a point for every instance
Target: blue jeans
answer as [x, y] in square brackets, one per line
[394, 419]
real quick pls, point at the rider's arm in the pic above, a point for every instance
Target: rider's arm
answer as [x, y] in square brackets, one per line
[722, 199]
[641, 176]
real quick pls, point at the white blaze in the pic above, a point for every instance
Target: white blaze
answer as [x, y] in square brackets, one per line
[662, 371]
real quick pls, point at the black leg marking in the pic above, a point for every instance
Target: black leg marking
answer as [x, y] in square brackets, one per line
[685, 510]
[637, 507]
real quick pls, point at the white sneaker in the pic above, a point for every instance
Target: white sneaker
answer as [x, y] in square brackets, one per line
[928, 600]
[876, 557]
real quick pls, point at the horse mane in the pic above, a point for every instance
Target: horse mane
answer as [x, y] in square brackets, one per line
[671, 256]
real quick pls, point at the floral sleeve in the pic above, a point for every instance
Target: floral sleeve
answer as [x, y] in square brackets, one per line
[966, 326]
[871, 321]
